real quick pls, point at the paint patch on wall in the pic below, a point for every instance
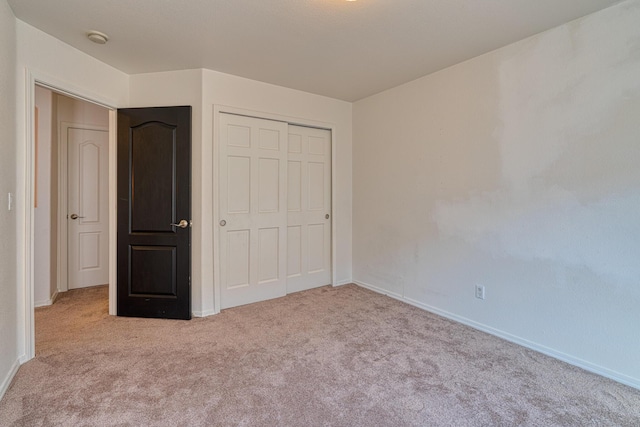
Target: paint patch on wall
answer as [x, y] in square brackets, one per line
[553, 225]
[569, 146]
[561, 87]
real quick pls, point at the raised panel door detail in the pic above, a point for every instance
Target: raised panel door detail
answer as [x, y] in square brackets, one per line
[269, 185]
[152, 270]
[89, 250]
[316, 187]
[269, 139]
[238, 258]
[239, 136]
[294, 251]
[316, 145]
[268, 255]
[239, 178]
[152, 155]
[89, 182]
[294, 186]
[316, 248]
[295, 143]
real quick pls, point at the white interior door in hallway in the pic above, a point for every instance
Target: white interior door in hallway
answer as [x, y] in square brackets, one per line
[274, 200]
[87, 207]
[309, 208]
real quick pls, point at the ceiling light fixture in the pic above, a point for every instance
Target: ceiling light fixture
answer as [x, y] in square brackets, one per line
[97, 37]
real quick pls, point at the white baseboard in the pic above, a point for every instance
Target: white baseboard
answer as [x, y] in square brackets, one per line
[343, 282]
[6, 382]
[203, 313]
[379, 290]
[45, 303]
[572, 360]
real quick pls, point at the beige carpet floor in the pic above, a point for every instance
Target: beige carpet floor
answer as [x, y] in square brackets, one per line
[326, 357]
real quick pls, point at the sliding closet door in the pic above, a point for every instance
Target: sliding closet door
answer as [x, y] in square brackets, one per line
[309, 208]
[253, 209]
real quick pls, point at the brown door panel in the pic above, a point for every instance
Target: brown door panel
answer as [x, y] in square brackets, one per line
[154, 192]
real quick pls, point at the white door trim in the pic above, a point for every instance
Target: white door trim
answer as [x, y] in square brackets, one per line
[63, 273]
[26, 236]
[217, 110]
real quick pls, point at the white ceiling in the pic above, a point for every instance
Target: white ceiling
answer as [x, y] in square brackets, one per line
[345, 50]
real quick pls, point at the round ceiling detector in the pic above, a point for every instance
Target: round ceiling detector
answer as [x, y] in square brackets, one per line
[97, 37]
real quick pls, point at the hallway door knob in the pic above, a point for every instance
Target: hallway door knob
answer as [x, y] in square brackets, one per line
[182, 224]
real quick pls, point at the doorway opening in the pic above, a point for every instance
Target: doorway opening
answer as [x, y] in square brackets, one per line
[42, 204]
[71, 185]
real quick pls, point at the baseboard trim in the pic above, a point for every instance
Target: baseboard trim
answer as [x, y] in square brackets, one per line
[342, 283]
[567, 358]
[203, 313]
[48, 302]
[379, 290]
[6, 382]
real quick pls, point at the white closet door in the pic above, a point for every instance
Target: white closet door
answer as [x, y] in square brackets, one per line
[253, 209]
[309, 208]
[88, 207]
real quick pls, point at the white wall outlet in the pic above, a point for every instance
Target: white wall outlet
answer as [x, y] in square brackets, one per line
[480, 291]
[9, 201]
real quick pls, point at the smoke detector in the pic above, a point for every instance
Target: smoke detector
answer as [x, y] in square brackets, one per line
[97, 37]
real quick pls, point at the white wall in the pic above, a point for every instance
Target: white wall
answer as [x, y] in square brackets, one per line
[43, 280]
[517, 170]
[204, 88]
[8, 312]
[53, 62]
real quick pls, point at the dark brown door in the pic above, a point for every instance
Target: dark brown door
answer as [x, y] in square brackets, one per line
[154, 212]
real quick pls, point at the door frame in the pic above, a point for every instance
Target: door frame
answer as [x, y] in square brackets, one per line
[219, 109]
[63, 190]
[26, 236]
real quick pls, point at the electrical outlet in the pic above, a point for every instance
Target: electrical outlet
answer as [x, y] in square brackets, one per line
[9, 201]
[479, 291]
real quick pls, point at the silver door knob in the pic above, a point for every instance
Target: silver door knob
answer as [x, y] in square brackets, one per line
[326, 216]
[223, 223]
[75, 216]
[182, 224]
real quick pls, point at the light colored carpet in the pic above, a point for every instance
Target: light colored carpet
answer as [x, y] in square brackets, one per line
[326, 357]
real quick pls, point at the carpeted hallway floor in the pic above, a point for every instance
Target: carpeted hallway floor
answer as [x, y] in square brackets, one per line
[326, 357]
